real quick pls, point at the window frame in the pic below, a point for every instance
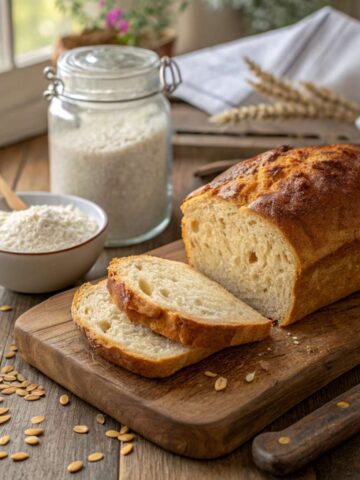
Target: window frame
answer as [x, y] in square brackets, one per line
[22, 106]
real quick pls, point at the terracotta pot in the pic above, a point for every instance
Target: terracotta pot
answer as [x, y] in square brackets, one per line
[162, 46]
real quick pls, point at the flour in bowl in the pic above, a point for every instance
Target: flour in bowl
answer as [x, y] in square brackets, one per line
[44, 228]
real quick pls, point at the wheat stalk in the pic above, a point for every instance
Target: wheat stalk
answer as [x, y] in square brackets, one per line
[331, 97]
[281, 110]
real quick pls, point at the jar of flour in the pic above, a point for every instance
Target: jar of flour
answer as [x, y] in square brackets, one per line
[110, 136]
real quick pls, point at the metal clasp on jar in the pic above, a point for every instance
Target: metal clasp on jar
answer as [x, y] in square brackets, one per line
[56, 85]
[169, 65]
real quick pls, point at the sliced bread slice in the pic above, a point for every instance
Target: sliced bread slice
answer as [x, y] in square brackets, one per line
[114, 337]
[182, 304]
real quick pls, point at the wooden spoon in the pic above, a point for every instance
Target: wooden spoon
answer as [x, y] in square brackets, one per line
[13, 201]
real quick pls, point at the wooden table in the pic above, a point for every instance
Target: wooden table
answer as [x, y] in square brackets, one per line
[25, 167]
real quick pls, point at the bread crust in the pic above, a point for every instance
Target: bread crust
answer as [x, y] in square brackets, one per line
[312, 195]
[111, 352]
[175, 326]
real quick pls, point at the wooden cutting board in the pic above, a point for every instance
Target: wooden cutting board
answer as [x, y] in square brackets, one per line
[183, 413]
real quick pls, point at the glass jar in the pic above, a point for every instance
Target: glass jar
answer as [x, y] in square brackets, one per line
[110, 136]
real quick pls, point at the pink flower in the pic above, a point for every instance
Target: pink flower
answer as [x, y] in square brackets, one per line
[113, 16]
[123, 26]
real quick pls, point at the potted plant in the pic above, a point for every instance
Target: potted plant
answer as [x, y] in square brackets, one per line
[146, 23]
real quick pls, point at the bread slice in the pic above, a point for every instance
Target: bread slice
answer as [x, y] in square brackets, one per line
[114, 337]
[180, 303]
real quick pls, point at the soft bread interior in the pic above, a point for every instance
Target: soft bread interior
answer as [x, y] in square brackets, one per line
[179, 288]
[97, 312]
[243, 252]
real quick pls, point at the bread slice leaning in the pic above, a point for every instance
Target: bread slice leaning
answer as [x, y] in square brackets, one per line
[114, 337]
[180, 303]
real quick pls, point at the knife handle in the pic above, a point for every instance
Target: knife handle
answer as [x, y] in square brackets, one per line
[286, 451]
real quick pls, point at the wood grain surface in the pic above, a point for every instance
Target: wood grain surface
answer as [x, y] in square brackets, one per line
[170, 412]
[25, 167]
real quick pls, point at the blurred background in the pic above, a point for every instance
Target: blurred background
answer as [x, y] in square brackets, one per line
[33, 32]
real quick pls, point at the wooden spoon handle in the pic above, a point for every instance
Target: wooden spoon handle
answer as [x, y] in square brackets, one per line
[283, 452]
[14, 202]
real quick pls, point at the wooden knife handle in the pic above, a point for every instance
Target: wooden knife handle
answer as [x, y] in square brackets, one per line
[283, 452]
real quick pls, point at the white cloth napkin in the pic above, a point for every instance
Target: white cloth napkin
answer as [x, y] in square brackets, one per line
[323, 48]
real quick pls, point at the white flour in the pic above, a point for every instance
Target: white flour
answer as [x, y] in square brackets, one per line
[119, 160]
[44, 228]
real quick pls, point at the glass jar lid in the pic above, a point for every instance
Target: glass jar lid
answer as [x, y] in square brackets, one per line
[108, 73]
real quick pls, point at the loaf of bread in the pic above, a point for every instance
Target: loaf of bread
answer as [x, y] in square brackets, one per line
[114, 337]
[281, 230]
[180, 303]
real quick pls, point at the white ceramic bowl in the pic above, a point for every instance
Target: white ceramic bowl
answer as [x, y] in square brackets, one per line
[50, 271]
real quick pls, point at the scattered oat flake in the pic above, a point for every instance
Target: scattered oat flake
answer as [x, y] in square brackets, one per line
[19, 456]
[343, 404]
[4, 440]
[74, 467]
[3, 410]
[126, 449]
[95, 457]
[37, 419]
[64, 400]
[34, 432]
[10, 354]
[126, 437]
[250, 377]
[284, 440]
[210, 374]
[5, 308]
[220, 384]
[81, 429]
[100, 418]
[7, 369]
[112, 433]
[32, 440]
[124, 429]
[3, 454]
[13, 347]
[31, 397]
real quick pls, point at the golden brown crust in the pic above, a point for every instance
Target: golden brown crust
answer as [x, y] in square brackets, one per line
[312, 194]
[177, 327]
[111, 352]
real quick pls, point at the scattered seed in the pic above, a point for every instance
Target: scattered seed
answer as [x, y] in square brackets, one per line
[296, 342]
[13, 347]
[4, 440]
[81, 429]
[9, 390]
[210, 374]
[343, 404]
[5, 308]
[21, 378]
[25, 384]
[31, 387]
[112, 433]
[124, 429]
[75, 466]
[126, 437]
[126, 449]
[20, 392]
[64, 400]
[100, 418]
[9, 378]
[37, 419]
[40, 393]
[31, 397]
[34, 431]
[32, 440]
[284, 440]
[19, 456]
[3, 454]
[250, 377]
[220, 384]
[7, 369]
[95, 457]
[10, 354]
[3, 410]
